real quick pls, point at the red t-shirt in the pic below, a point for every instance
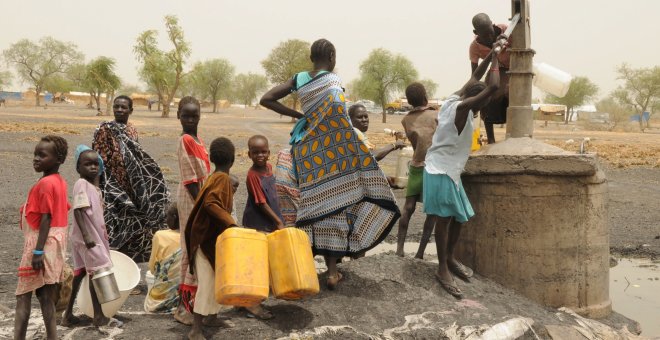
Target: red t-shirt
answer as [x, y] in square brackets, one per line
[48, 196]
[253, 183]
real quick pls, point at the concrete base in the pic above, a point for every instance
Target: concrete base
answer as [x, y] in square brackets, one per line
[540, 225]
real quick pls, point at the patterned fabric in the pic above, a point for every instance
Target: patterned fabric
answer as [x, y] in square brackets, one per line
[135, 193]
[346, 205]
[287, 187]
[194, 167]
[163, 297]
[54, 260]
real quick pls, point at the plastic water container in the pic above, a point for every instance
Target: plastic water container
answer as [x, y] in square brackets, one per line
[292, 269]
[127, 274]
[241, 267]
[551, 79]
[475, 140]
[402, 163]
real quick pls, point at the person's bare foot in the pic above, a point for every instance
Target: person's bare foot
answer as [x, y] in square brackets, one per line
[419, 256]
[400, 253]
[183, 316]
[100, 321]
[69, 320]
[214, 321]
[196, 335]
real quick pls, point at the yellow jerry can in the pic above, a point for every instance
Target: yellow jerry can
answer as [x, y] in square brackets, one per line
[292, 271]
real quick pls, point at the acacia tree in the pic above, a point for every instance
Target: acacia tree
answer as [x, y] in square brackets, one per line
[248, 86]
[430, 86]
[163, 70]
[383, 73]
[285, 60]
[5, 79]
[101, 78]
[618, 114]
[37, 62]
[58, 83]
[640, 90]
[580, 91]
[211, 78]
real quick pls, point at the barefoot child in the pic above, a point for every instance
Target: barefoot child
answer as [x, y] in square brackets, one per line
[210, 216]
[419, 125]
[89, 238]
[262, 211]
[445, 201]
[44, 220]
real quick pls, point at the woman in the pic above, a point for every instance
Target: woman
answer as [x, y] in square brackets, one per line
[194, 167]
[340, 196]
[134, 190]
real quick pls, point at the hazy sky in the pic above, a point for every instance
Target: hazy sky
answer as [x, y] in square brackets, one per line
[583, 37]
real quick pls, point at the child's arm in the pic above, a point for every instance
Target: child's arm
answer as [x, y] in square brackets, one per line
[193, 190]
[266, 209]
[44, 228]
[82, 225]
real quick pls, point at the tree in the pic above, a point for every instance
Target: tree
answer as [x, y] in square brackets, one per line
[618, 113]
[163, 70]
[5, 79]
[37, 62]
[248, 86]
[101, 78]
[211, 78]
[58, 84]
[430, 86]
[580, 91]
[129, 89]
[640, 90]
[285, 60]
[383, 73]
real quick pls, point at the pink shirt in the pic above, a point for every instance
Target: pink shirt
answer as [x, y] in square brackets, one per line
[479, 51]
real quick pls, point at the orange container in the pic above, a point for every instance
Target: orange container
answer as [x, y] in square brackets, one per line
[292, 271]
[241, 272]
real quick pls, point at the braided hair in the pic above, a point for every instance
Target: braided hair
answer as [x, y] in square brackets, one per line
[322, 50]
[60, 146]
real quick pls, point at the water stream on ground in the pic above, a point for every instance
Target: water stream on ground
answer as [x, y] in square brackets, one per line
[635, 292]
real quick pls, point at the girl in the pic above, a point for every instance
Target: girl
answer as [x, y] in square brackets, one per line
[194, 168]
[89, 238]
[345, 203]
[44, 220]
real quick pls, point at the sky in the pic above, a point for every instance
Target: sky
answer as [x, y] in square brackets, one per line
[582, 37]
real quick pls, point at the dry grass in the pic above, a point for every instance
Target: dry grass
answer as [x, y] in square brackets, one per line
[50, 128]
[618, 154]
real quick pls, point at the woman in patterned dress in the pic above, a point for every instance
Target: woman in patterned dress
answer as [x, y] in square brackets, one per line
[329, 179]
[134, 191]
[194, 167]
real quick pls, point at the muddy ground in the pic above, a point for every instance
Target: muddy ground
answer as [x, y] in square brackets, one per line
[631, 162]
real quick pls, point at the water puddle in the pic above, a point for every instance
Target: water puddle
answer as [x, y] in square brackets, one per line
[635, 292]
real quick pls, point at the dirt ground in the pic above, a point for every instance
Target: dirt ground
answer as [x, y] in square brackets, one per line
[631, 162]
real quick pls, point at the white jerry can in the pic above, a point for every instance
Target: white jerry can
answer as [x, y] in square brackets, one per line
[402, 165]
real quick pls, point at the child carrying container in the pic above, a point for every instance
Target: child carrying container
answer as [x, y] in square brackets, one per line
[89, 239]
[210, 216]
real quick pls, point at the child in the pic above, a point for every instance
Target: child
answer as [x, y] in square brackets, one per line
[44, 220]
[210, 216]
[165, 264]
[445, 201]
[419, 125]
[262, 211]
[486, 33]
[89, 238]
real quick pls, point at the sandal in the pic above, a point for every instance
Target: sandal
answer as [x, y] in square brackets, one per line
[333, 280]
[114, 323]
[450, 287]
[462, 271]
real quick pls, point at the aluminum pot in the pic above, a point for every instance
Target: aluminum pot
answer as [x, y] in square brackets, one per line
[105, 285]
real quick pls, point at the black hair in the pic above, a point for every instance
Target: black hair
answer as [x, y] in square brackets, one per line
[353, 109]
[322, 50]
[60, 146]
[222, 152]
[174, 208]
[123, 96]
[188, 100]
[255, 137]
[416, 94]
[474, 89]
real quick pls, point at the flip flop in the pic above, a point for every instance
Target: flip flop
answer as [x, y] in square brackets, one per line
[462, 271]
[114, 323]
[333, 280]
[450, 287]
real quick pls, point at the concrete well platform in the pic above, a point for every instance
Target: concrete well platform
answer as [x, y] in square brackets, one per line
[541, 224]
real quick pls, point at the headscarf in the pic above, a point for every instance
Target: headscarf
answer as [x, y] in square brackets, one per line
[84, 148]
